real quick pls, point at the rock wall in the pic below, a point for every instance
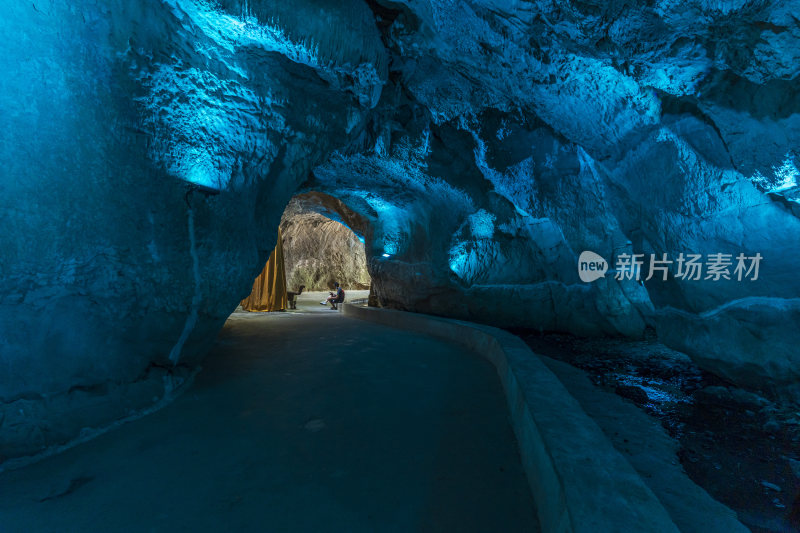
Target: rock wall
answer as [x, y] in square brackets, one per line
[149, 149]
[320, 250]
[510, 139]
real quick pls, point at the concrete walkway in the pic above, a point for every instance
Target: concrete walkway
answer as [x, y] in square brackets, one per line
[299, 422]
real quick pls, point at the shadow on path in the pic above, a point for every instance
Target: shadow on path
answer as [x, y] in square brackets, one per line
[298, 422]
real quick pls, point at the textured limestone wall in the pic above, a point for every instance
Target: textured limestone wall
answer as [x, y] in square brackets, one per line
[319, 250]
[512, 138]
[149, 149]
[114, 271]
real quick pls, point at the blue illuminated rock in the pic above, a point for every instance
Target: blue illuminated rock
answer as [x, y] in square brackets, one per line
[149, 149]
[658, 130]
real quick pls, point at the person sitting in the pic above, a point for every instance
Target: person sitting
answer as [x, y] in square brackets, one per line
[335, 297]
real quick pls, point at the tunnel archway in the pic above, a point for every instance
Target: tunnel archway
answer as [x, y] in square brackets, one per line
[649, 131]
[316, 248]
[321, 241]
[320, 248]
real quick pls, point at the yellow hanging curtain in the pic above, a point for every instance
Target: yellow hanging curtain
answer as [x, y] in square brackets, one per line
[269, 288]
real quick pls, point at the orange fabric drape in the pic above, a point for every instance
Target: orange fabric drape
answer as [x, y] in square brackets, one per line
[269, 288]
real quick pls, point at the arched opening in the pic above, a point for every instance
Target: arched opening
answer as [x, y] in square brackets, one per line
[659, 139]
[320, 248]
[316, 249]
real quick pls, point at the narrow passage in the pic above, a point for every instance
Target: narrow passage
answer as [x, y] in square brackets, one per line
[299, 422]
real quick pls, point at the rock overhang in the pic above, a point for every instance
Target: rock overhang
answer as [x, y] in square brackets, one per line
[479, 146]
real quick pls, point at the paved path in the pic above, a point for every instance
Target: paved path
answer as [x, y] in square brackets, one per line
[299, 422]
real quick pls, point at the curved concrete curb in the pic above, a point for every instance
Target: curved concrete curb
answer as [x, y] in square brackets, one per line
[579, 481]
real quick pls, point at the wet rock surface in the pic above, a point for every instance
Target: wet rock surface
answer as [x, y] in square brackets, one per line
[739, 445]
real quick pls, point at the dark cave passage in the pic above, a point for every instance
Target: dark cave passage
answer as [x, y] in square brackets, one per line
[320, 248]
[316, 252]
[622, 175]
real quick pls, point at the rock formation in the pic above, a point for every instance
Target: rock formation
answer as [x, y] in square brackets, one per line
[150, 147]
[320, 249]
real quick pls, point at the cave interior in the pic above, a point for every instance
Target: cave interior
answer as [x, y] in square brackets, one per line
[614, 184]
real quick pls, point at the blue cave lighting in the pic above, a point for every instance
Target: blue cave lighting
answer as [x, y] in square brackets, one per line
[482, 224]
[787, 175]
[459, 259]
[390, 247]
[784, 177]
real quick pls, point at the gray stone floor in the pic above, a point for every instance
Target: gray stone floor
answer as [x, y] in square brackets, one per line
[300, 422]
